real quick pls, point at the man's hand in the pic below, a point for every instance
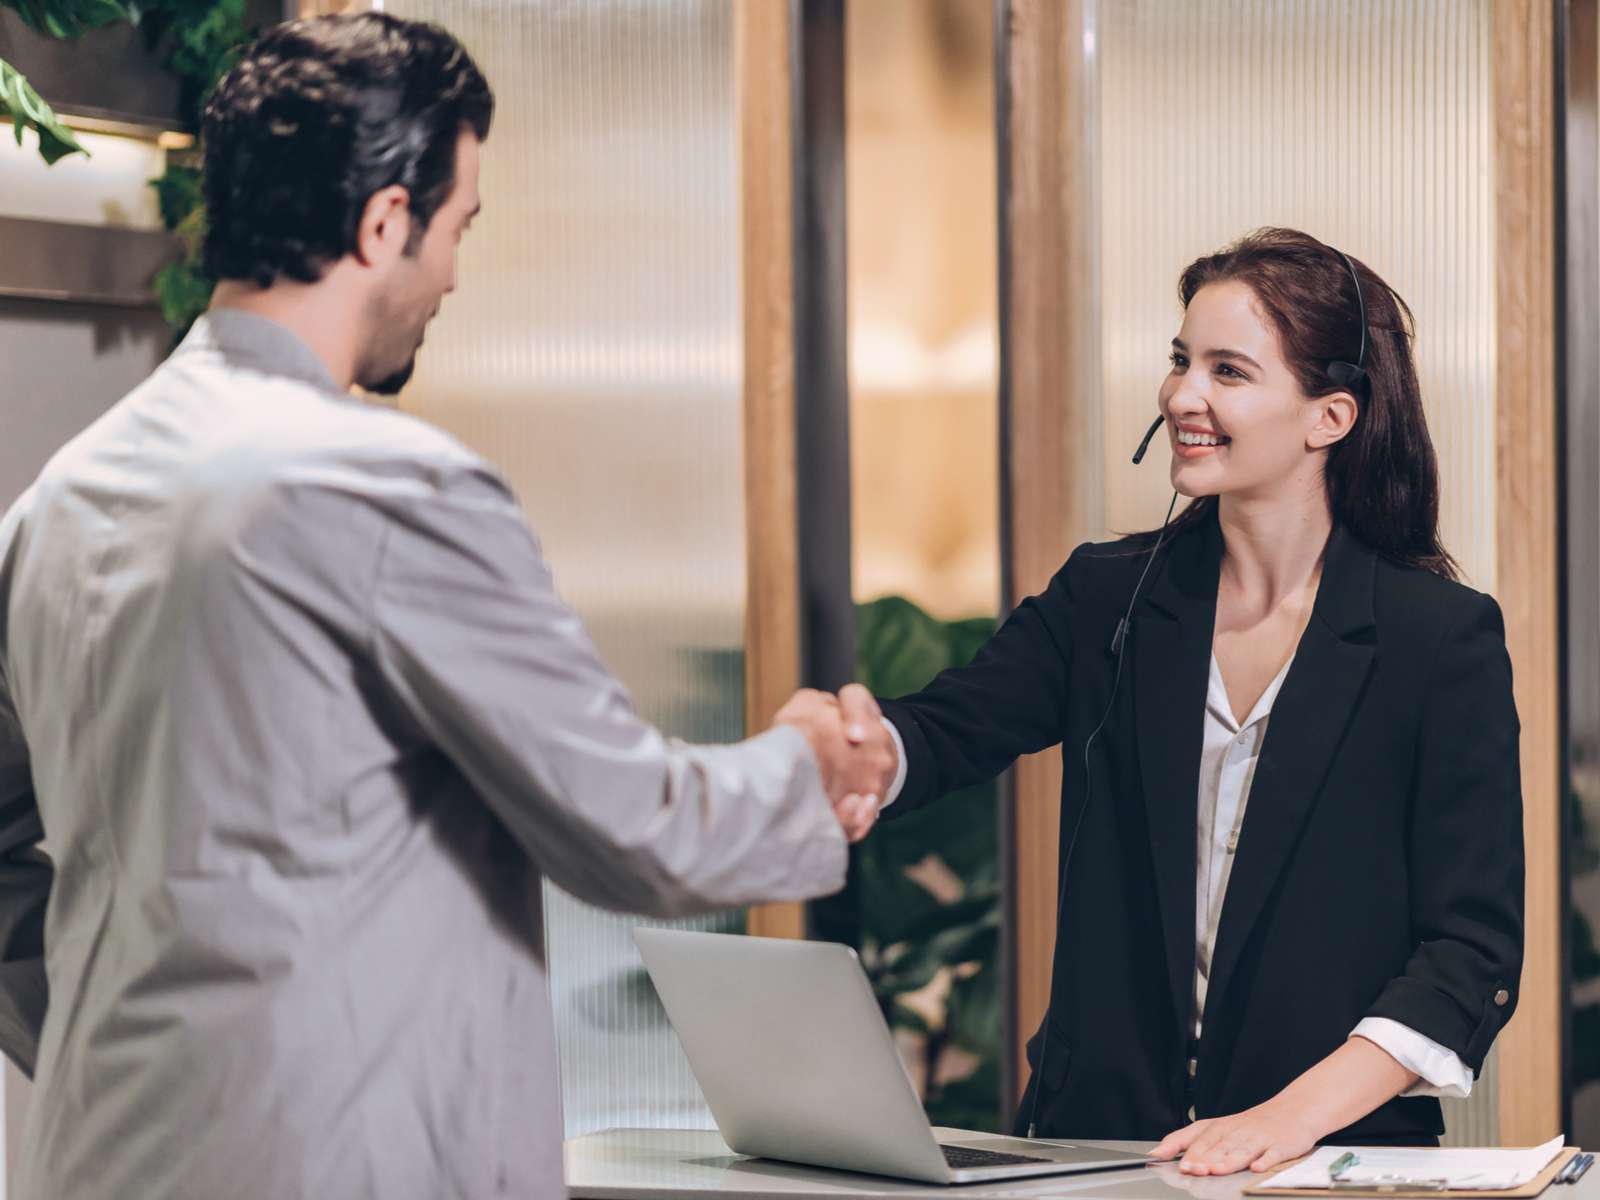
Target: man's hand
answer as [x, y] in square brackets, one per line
[855, 753]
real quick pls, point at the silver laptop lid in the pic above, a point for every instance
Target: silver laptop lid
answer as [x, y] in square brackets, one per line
[792, 1052]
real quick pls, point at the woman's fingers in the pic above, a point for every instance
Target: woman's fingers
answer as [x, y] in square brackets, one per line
[1233, 1150]
[857, 815]
[1176, 1142]
[1206, 1151]
[1272, 1156]
[860, 712]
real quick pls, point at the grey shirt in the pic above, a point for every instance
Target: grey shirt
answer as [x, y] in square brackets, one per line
[292, 722]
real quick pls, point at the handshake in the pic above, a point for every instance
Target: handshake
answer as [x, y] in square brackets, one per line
[855, 753]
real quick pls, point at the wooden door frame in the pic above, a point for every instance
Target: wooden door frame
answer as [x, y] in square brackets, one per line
[1527, 533]
[1052, 493]
[800, 613]
[763, 51]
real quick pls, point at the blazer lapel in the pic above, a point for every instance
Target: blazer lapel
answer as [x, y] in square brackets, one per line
[1308, 722]
[1172, 659]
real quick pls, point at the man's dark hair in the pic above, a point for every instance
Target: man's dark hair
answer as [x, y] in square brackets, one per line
[317, 116]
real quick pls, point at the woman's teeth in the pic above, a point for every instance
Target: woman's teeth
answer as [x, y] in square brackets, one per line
[1185, 438]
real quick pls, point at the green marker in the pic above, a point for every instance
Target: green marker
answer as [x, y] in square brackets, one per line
[1339, 1165]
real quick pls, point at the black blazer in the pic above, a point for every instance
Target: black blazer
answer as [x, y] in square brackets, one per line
[1379, 870]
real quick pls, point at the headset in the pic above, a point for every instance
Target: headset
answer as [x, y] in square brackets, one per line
[1349, 375]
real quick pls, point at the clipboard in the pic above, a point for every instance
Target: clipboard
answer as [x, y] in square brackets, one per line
[1400, 1191]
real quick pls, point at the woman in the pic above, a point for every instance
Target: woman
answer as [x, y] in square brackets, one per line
[1300, 651]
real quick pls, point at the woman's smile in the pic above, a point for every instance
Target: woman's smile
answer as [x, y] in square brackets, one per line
[1195, 441]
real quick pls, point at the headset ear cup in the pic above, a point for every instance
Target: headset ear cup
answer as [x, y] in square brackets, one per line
[1346, 375]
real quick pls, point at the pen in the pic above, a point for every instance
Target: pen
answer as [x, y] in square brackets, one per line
[1584, 1161]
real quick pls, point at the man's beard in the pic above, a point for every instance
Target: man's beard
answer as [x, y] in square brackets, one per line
[390, 385]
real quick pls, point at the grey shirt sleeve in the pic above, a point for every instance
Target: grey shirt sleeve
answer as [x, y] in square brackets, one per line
[477, 646]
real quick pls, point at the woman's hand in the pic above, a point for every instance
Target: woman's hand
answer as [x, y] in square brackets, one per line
[1344, 1087]
[1259, 1138]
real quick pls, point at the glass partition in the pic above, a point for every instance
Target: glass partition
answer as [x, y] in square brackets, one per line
[593, 352]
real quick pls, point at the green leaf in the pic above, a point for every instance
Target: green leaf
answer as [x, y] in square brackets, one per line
[207, 36]
[178, 194]
[908, 1018]
[975, 1011]
[183, 292]
[68, 18]
[27, 109]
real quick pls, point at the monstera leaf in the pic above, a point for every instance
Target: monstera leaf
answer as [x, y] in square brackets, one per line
[28, 110]
[18, 100]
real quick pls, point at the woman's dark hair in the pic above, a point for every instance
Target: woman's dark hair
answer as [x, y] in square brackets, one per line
[317, 116]
[1383, 476]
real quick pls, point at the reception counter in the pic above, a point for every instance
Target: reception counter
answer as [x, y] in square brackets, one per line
[647, 1164]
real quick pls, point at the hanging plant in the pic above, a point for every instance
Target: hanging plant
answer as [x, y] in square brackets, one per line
[201, 40]
[60, 19]
[206, 37]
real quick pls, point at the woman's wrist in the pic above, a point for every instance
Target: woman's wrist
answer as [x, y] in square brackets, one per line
[1344, 1087]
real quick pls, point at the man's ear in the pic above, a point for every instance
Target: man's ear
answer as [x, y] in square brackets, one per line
[1336, 417]
[385, 226]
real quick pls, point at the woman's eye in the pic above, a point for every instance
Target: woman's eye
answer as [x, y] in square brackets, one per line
[1229, 372]
[1179, 362]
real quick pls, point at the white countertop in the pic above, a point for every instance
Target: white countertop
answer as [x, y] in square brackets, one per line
[646, 1164]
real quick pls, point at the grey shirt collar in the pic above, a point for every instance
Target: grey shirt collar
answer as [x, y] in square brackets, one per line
[258, 344]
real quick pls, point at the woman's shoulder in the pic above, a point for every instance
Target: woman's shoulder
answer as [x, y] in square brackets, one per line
[1100, 563]
[1433, 604]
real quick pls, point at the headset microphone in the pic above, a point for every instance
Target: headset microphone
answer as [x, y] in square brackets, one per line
[1138, 455]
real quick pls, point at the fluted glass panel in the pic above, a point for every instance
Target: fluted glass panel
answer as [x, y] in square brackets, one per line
[1367, 123]
[593, 352]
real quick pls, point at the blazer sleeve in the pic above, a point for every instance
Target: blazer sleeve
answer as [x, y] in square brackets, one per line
[972, 722]
[1459, 987]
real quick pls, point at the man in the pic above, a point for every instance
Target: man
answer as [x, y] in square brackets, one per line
[292, 722]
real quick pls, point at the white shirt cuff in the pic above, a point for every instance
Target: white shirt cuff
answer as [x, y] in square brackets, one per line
[1439, 1071]
[899, 783]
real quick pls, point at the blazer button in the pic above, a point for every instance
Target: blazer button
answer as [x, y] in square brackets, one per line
[1502, 997]
[1191, 1112]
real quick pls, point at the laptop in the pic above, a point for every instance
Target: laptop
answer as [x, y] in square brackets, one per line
[792, 1052]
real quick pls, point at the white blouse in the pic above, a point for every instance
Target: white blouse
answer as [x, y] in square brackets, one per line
[1228, 760]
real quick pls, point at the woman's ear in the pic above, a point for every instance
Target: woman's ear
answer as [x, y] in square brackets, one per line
[1336, 417]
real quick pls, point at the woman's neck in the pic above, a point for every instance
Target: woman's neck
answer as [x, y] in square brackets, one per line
[1274, 547]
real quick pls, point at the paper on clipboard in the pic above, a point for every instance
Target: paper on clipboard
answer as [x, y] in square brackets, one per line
[1464, 1169]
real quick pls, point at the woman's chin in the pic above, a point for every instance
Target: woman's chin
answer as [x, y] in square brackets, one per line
[1186, 485]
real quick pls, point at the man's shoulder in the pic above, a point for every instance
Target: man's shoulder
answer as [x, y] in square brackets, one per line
[288, 433]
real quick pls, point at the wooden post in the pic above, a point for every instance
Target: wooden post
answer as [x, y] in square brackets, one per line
[763, 48]
[1051, 478]
[1528, 532]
